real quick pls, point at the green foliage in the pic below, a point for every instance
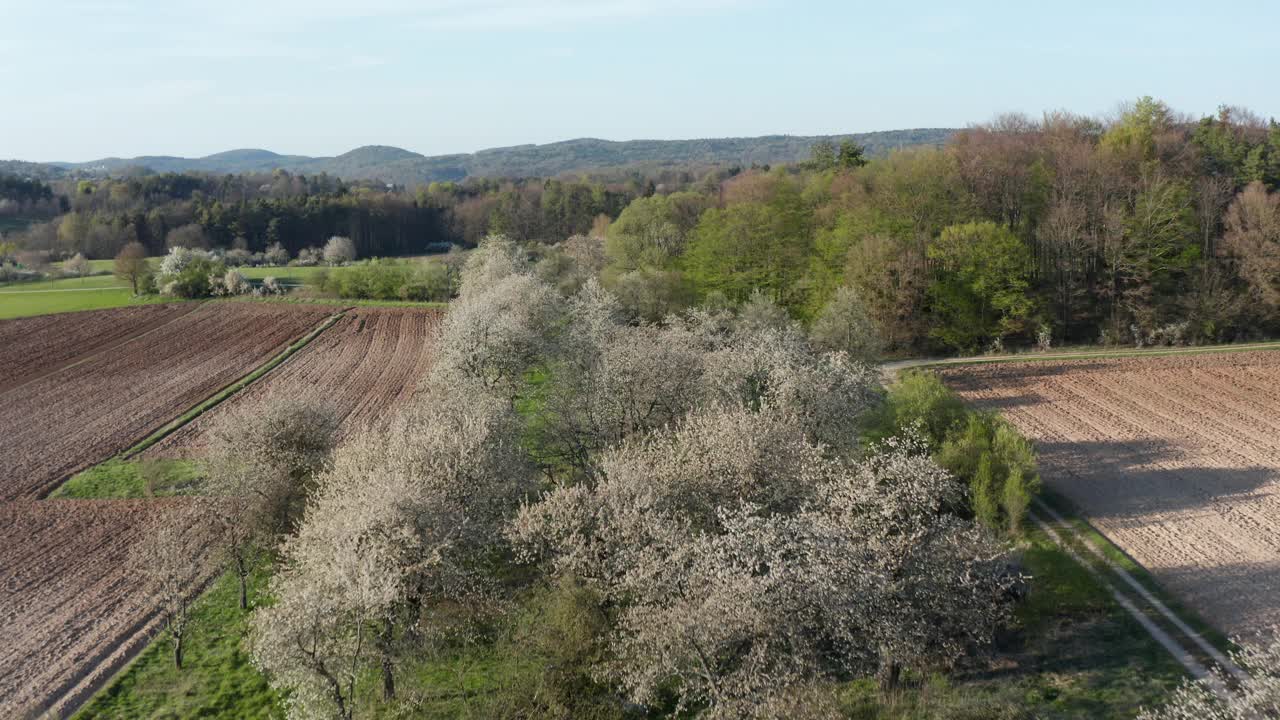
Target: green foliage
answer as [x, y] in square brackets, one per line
[559, 636]
[995, 462]
[195, 280]
[919, 400]
[982, 491]
[651, 232]
[1160, 249]
[752, 246]
[1135, 134]
[388, 279]
[980, 292]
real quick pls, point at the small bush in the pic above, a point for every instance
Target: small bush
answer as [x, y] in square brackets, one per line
[982, 450]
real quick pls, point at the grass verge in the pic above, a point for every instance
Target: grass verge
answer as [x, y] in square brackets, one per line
[118, 478]
[1066, 509]
[217, 680]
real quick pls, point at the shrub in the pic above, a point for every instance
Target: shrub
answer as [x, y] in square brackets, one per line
[307, 257]
[386, 279]
[920, 399]
[198, 279]
[982, 450]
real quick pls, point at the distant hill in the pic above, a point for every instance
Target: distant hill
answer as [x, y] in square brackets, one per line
[395, 165]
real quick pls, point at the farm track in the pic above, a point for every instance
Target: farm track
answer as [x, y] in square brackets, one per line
[1175, 459]
[366, 366]
[70, 614]
[66, 421]
[33, 347]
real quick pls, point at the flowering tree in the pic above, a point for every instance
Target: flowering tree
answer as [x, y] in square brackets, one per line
[492, 337]
[276, 254]
[261, 464]
[403, 520]
[339, 250]
[746, 561]
[493, 260]
[78, 265]
[171, 558]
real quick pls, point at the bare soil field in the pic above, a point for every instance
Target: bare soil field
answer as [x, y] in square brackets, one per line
[70, 614]
[366, 365]
[66, 421]
[34, 346]
[1175, 459]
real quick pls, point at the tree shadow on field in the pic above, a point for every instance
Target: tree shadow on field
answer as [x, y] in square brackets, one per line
[1127, 480]
[1239, 598]
[1008, 402]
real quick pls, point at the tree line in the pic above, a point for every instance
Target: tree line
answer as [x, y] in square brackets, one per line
[1146, 228]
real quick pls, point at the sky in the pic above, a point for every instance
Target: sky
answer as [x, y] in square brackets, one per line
[85, 79]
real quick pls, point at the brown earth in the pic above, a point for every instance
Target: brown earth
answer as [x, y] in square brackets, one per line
[70, 613]
[34, 346]
[1175, 459]
[63, 422]
[366, 365]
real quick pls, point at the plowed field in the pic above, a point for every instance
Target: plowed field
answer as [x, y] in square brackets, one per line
[35, 346]
[1176, 459]
[62, 422]
[70, 614]
[365, 365]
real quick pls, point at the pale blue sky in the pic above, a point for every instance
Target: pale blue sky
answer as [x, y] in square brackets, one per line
[84, 79]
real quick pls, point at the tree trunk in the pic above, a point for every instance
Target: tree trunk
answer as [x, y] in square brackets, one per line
[244, 591]
[388, 679]
[177, 652]
[888, 675]
[388, 668]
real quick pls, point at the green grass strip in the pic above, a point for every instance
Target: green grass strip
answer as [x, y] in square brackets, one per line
[229, 390]
[1081, 528]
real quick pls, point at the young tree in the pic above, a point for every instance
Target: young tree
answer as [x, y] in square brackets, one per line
[339, 250]
[171, 558]
[131, 265]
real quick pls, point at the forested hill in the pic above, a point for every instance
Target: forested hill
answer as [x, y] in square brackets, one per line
[376, 162]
